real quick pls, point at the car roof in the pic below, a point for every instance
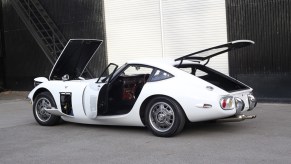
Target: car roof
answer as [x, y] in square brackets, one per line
[166, 64]
[157, 62]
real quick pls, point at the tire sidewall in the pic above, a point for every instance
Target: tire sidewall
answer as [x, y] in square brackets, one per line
[179, 120]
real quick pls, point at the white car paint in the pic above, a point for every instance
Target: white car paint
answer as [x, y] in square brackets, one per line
[85, 96]
[199, 99]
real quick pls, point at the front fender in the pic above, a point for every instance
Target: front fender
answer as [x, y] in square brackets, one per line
[36, 89]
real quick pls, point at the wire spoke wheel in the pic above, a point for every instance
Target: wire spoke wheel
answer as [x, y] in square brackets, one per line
[161, 116]
[43, 101]
[164, 116]
[40, 111]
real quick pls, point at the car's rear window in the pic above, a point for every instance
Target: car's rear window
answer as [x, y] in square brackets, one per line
[214, 77]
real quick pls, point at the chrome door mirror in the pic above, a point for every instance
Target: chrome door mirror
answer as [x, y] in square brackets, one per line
[66, 77]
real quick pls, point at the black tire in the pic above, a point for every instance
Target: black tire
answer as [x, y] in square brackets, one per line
[42, 100]
[164, 117]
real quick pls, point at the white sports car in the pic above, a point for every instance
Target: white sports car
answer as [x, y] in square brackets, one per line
[160, 94]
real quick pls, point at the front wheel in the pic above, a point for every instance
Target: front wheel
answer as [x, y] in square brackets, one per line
[42, 101]
[164, 117]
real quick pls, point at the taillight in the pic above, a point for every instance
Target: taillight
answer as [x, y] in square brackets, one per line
[227, 103]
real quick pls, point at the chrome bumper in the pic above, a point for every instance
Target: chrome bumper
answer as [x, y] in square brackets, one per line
[237, 118]
[29, 100]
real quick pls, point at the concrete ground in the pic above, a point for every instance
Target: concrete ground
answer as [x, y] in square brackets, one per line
[266, 139]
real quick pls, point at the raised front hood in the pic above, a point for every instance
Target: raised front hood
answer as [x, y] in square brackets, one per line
[74, 58]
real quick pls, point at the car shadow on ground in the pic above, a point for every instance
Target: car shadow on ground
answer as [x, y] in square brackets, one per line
[199, 128]
[210, 127]
[129, 129]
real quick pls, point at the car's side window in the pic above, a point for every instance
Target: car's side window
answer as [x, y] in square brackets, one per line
[160, 75]
[186, 69]
[200, 73]
[126, 88]
[194, 71]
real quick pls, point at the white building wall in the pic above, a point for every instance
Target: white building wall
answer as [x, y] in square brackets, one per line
[132, 29]
[164, 28]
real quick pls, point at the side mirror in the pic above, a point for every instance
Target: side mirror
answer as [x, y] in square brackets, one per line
[66, 77]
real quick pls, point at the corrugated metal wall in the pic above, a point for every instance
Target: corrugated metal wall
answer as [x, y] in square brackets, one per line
[24, 58]
[81, 19]
[266, 66]
[2, 66]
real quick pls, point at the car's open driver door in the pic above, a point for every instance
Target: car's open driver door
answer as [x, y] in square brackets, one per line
[95, 99]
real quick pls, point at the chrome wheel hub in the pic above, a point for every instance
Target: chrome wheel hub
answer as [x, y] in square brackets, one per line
[161, 116]
[40, 111]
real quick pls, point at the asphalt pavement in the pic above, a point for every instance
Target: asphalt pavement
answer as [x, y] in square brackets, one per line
[265, 139]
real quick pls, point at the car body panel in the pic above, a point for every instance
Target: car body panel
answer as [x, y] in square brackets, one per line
[199, 99]
[244, 96]
[190, 100]
[56, 87]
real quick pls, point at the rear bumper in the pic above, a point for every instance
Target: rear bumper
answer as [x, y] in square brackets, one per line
[237, 118]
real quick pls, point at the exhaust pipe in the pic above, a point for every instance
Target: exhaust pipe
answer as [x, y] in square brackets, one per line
[237, 118]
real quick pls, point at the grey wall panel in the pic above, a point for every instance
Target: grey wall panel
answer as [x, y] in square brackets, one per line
[25, 60]
[266, 66]
[81, 19]
[2, 51]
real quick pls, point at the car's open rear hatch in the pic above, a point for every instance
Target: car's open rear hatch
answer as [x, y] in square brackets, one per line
[208, 53]
[214, 77]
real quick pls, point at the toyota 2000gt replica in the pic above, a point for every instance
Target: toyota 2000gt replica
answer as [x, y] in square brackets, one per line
[160, 94]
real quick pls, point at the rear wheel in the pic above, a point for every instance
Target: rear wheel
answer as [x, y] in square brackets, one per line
[42, 101]
[164, 117]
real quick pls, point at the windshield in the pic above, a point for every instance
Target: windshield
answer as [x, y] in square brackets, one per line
[119, 69]
[107, 73]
